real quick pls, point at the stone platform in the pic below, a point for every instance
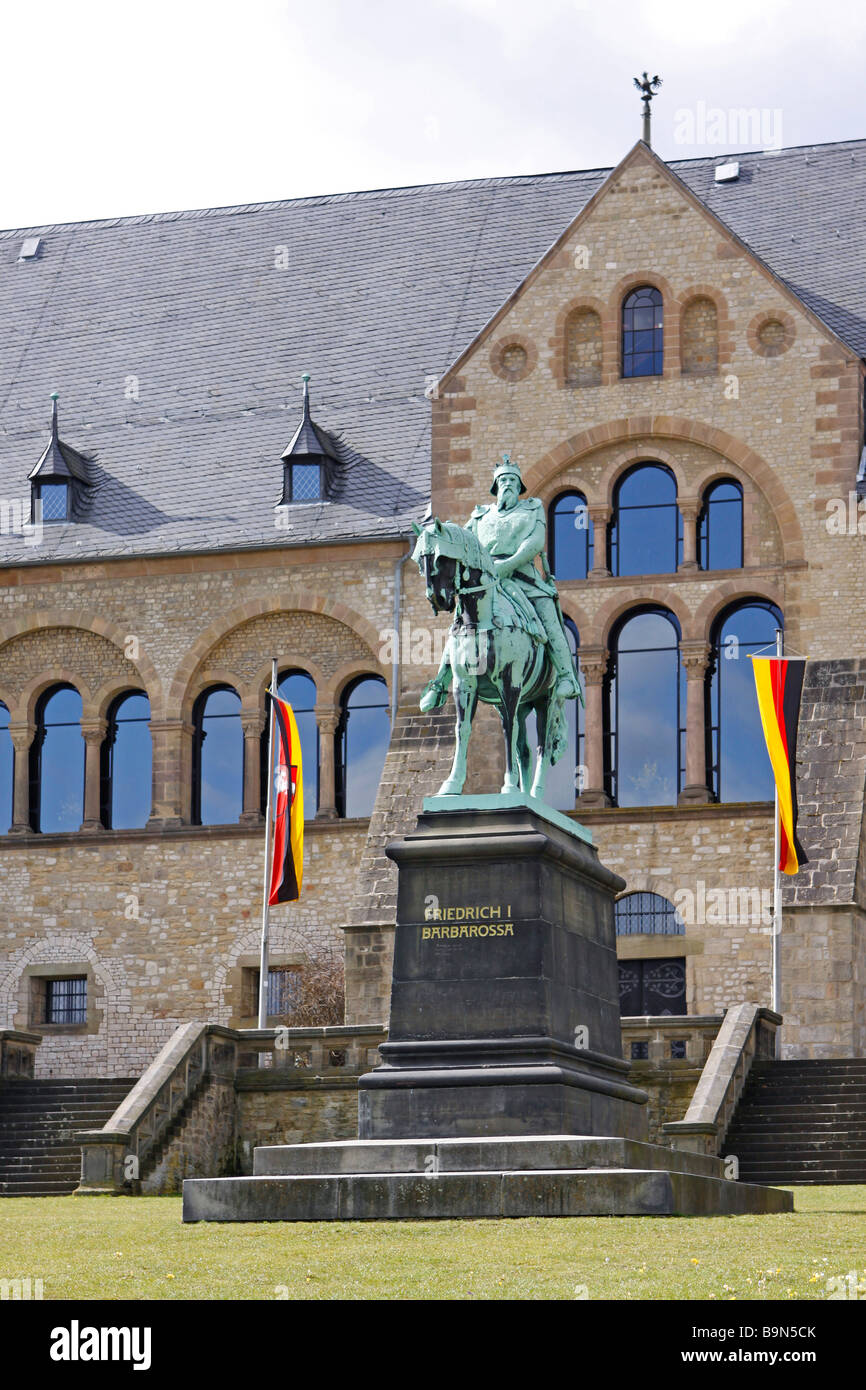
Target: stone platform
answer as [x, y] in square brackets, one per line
[417, 1180]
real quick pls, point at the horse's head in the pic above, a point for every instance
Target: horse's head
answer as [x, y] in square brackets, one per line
[437, 565]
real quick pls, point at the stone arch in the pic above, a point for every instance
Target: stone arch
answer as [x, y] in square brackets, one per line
[583, 304]
[333, 692]
[24, 710]
[628, 458]
[299, 601]
[699, 336]
[730, 592]
[671, 319]
[44, 620]
[254, 691]
[675, 427]
[618, 606]
[108, 692]
[578, 615]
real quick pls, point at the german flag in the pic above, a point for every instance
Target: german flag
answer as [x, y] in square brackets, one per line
[779, 682]
[287, 864]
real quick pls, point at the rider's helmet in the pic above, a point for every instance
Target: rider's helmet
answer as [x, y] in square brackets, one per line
[506, 467]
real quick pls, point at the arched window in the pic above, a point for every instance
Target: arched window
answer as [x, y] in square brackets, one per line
[361, 744]
[699, 337]
[645, 703]
[299, 690]
[57, 762]
[642, 332]
[720, 526]
[7, 759]
[646, 534]
[570, 536]
[127, 763]
[583, 348]
[647, 914]
[218, 757]
[739, 768]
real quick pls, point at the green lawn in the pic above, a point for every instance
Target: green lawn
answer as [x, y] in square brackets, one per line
[137, 1248]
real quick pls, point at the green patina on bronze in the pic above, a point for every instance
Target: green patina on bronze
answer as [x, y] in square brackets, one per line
[507, 645]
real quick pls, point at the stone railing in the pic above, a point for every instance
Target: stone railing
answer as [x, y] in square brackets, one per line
[669, 1038]
[17, 1054]
[119, 1157]
[748, 1031]
[113, 1158]
[336, 1049]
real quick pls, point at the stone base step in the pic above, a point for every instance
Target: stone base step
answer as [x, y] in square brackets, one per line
[473, 1195]
[450, 1179]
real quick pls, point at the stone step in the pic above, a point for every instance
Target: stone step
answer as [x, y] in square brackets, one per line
[413, 1197]
[37, 1189]
[504, 1153]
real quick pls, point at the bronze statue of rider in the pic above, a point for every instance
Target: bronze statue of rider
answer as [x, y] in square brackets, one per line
[513, 530]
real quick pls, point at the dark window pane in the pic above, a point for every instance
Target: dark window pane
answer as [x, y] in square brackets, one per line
[720, 531]
[54, 501]
[741, 769]
[645, 698]
[66, 1000]
[131, 763]
[284, 991]
[366, 731]
[647, 914]
[221, 758]
[6, 770]
[571, 537]
[61, 762]
[299, 690]
[652, 987]
[642, 333]
[306, 482]
[646, 536]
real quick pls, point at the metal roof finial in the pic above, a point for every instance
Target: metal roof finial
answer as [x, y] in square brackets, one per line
[648, 88]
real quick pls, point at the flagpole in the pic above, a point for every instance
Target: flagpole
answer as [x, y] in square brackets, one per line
[266, 890]
[777, 889]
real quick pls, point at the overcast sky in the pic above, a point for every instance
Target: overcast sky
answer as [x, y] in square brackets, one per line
[113, 108]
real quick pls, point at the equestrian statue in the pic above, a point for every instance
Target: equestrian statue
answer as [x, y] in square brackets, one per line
[507, 645]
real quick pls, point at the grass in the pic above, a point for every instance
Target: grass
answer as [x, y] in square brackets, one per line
[137, 1248]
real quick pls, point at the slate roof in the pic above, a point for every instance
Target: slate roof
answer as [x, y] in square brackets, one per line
[380, 291]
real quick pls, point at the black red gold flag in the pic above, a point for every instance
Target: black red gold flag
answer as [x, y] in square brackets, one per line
[779, 682]
[287, 863]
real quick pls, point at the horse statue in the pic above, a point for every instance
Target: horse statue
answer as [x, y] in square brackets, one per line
[498, 653]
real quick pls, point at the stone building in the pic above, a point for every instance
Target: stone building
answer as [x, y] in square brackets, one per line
[676, 361]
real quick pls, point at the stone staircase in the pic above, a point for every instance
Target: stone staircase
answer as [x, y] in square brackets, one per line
[801, 1123]
[38, 1124]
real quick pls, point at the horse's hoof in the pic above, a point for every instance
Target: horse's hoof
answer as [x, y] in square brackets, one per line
[450, 788]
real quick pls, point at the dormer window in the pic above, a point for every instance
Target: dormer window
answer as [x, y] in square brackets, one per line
[303, 482]
[60, 483]
[311, 463]
[55, 501]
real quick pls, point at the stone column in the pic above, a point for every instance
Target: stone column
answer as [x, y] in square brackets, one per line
[593, 664]
[94, 737]
[327, 721]
[22, 736]
[600, 517]
[252, 725]
[172, 772]
[695, 656]
[689, 509]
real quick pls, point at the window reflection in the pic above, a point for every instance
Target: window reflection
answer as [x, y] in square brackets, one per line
[720, 527]
[646, 534]
[645, 711]
[218, 755]
[299, 690]
[57, 762]
[362, 742]
[739, 767]
[7, 757]
[642, 332]
[570, 537]
[127, 763]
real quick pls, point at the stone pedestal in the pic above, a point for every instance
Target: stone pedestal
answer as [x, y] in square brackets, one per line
[502, 1092]
[504, 1001]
